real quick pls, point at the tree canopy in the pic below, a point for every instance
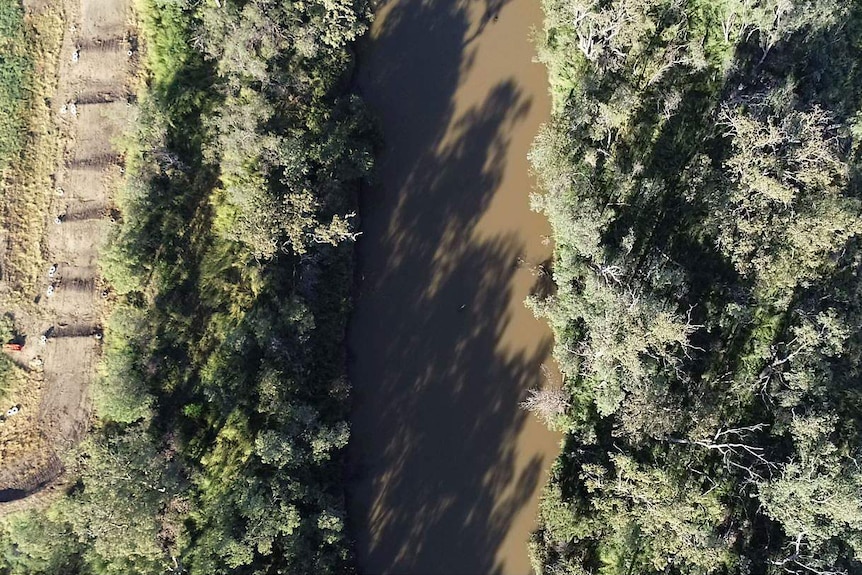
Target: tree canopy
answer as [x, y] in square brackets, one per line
[700, 176]
[222, 398]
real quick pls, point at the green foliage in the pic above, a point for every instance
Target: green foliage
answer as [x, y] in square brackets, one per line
[699, 174]
[112, 522]
[120, 394]
[283, 166]
[655, 521]
[781, 209]
[37, 543]
[221, 398]
[7, 368]
[16, 67]
[816, 497]
[125, 485]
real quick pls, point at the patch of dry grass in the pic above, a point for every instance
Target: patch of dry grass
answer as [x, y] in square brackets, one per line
[19, 434]
[27, 182]
[26, 187]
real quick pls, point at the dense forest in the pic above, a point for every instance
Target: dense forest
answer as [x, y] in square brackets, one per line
[222, 398]
[701, 174]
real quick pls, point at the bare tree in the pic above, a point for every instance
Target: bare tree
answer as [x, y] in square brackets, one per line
[740, 454]
[549, 403]
[798, 563]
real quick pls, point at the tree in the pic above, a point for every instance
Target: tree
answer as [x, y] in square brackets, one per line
[782, 212]
[120, 393]
[816, 498]
[699, 174]
[654, 520]
[37, 543]
[629, 336]
[125, 486]
[547, 404]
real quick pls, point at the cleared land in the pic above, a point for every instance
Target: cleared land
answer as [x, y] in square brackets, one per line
[59, 319]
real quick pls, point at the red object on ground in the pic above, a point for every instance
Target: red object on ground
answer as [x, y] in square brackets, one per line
[12, 346]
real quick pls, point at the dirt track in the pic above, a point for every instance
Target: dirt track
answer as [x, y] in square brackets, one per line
[91, 110]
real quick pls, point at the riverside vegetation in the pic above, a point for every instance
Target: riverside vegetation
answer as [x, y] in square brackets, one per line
[701, 174]
[221, 401]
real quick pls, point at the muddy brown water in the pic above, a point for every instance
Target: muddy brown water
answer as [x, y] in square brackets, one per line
[444, 469]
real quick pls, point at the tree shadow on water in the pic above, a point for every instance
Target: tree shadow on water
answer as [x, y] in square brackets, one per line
[434, 481]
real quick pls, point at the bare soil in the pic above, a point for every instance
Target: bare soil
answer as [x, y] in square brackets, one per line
[104, 19]
[61, 329]
[84, 186]
[97, 129]
[100, 75]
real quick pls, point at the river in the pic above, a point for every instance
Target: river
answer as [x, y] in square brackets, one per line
[444, 469]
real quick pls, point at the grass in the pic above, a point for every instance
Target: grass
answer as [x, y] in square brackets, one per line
[16, 71]
[29, 148]
[29, 142]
